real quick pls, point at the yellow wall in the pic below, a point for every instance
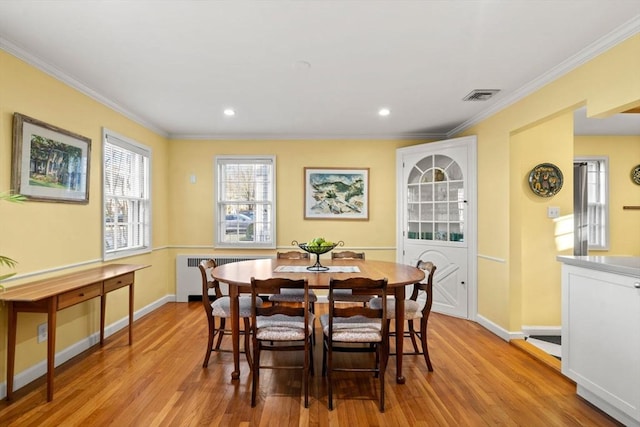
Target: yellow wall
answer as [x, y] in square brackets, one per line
[624, 155]
[607, 84]
[47, 236]
[192, 203]
[540, 287]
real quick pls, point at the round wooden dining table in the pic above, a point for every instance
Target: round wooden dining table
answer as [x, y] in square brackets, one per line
[238, 276]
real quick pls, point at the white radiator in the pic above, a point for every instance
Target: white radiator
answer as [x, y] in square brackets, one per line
[188, 281]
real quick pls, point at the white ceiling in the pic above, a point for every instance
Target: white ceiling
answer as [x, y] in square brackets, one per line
[307, 68]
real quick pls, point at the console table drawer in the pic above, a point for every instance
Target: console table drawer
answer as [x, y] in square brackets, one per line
[118, 282]
[76, 296]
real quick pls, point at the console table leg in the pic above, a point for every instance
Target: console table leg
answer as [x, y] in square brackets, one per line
[51, 345]
[11, 349]
[131, 314]
[103, 304]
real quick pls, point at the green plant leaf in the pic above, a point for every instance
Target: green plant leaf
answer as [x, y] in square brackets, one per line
[13, 198]
[8, 262]
[5, 276]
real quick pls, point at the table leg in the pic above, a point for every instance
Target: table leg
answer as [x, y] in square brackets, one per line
[400, 295]
[131, 314]
[103, 304]
[51, 345]
[235, 330]
[11, 349]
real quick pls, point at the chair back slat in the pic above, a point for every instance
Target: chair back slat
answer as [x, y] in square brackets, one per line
[358, 286]
[347, 255]
[275, 286]
[292, 255]
[358, 311]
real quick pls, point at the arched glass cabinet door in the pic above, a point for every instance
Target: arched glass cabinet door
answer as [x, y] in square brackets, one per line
[435, 200]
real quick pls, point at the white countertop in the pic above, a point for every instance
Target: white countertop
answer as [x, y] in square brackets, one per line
[627, 265]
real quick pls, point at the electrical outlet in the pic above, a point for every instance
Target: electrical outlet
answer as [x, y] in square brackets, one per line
[42, 332]
[553, 212]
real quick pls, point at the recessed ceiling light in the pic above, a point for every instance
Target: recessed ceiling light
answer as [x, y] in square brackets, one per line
[384, 112]
[229, 112]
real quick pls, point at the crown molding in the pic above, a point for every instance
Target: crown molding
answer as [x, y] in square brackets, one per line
[307, 137]
[600, 46]
[58, 74]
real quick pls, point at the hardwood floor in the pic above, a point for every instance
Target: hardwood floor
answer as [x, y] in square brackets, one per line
[478, 380]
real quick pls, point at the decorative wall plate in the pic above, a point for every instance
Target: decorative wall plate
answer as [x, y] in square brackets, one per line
[545, 180]
[635, 174]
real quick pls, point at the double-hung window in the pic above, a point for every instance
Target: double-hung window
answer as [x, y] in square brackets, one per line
[597, 201]
[126, 196]
[245, 213]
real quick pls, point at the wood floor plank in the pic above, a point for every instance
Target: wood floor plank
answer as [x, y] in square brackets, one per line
[478, 380]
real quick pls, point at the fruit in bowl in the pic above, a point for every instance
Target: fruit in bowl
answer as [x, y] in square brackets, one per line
[319, 245]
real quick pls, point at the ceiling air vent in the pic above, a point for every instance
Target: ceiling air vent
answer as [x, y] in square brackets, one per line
[480, 94]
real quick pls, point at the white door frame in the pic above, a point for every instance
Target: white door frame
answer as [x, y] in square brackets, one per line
[472, 209]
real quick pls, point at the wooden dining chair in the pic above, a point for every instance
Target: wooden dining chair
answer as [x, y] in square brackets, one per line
[344, 294]
[356, 329]
[294, 295]
[416, 307]
[219, 307]
[281, 328]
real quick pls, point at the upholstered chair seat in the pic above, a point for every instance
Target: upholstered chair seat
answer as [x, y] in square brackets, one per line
[280, 327]
[353, 329]
[221, 307]
[412, 309]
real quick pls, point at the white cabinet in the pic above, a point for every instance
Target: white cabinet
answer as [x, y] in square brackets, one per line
[601, 337]
[436, 200]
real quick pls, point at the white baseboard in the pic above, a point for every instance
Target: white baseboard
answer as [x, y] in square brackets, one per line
[38, 370]
[529, 330]
[498, 330]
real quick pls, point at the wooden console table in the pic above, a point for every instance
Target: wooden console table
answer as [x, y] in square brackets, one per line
[57, 293]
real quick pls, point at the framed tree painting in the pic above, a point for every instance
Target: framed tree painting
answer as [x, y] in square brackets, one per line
[49, 163]
[336, 193]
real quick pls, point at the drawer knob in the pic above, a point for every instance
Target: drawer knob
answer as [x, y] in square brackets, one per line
[82, 294]
[636, 285]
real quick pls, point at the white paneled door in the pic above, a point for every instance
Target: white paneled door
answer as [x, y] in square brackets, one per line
[437, 218]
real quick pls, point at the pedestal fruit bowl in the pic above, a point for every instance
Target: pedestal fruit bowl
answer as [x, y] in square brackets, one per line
[317, 247]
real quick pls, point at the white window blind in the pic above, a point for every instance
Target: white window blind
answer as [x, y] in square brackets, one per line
[127, 201]
[597, 201]
[245, 201]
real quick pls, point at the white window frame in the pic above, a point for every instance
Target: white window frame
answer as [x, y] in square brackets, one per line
[144, 200]
[221, 206]
[597, 210]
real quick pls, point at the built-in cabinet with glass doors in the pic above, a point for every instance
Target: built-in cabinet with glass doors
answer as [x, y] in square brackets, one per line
[435, 196]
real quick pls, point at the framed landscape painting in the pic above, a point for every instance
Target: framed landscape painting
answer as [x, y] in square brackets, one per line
[337, 193]
[49, 163]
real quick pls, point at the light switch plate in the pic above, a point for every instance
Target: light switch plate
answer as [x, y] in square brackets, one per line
[553, 212]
